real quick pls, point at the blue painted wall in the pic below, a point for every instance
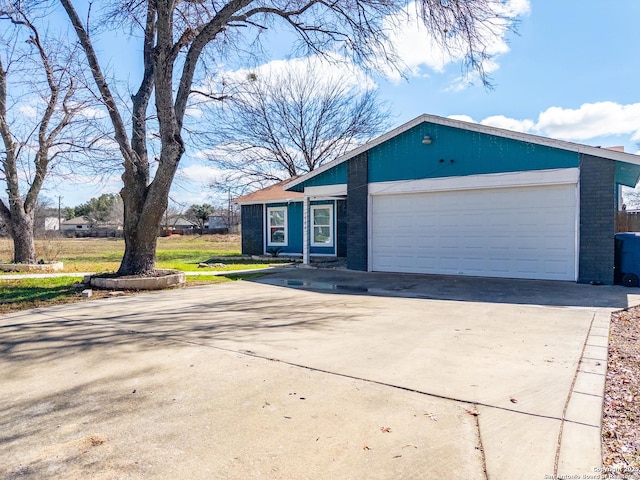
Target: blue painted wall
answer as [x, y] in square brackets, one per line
[627, 174]
[326, 250]
[334, 176]
[294, 228]
[458, 152]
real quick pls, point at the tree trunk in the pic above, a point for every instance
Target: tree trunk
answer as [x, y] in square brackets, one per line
[139, 253]
[24, 248]
[142, 216]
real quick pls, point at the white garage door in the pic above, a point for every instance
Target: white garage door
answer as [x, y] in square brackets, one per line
[524, 232]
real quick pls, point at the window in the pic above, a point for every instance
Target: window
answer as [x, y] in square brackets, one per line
[277, 226]
[322, 223]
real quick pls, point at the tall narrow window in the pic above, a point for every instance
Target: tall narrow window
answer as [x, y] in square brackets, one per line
[322, 221]
[277, 225]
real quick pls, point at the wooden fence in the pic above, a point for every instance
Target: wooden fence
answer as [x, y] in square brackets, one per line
[627, 221]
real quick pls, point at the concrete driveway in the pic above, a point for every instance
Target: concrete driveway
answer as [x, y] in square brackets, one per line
[342, 376]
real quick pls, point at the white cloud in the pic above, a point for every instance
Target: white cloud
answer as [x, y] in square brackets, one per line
[335, 68]
[28, 111]
[500, 121]
[462, 118]
[198, 173]
[589, 121]
[417, 48]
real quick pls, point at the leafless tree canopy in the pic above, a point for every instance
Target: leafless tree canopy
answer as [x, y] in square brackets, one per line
[42, 108]
[176, 34]
[285, 124]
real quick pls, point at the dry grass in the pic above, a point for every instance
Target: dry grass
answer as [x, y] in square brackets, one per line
[104, 254]
[621, 417]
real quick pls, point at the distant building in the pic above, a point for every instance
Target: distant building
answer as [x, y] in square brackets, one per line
[51, 223]
[78, 224]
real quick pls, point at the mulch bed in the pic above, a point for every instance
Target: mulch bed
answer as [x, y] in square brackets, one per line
[621, 414]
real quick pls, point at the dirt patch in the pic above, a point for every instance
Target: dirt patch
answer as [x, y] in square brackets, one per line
[621, 415]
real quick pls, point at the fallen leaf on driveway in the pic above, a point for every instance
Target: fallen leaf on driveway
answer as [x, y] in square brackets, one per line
[513, 400]
[473, 411]
[385, 429]
[366, 448]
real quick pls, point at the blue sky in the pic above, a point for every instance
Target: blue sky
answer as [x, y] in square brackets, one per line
[571, 73]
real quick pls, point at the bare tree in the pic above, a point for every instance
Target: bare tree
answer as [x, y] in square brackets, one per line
[38, 107]
[288, 123]
[175, 37]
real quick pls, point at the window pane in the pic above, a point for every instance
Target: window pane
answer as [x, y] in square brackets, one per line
[276, 218]
[321, 234]
[277, 235]
[321, 216]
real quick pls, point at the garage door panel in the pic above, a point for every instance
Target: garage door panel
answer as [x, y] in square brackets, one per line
[506, 232]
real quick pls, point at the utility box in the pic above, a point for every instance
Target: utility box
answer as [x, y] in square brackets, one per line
[627, 262]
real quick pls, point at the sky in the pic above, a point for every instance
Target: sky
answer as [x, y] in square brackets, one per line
[571, 73]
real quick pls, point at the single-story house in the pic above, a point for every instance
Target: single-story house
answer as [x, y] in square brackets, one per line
[181, 223]
[77, 224]
[443, 196]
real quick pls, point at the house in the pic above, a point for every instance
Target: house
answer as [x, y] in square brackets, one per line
[181, 223]
[77, 224]
[443, 196]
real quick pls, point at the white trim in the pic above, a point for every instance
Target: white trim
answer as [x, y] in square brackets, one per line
[269, 243]
[577, 236]
[266, 202]
[305, 231]
[264, 229]
[474, 127]
[369, 229]
[326, 190]
[331, 243]
[470, 182]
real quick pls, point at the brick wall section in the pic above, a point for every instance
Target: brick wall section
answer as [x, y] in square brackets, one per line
[251, 219]
[597, 220]
[357, 205]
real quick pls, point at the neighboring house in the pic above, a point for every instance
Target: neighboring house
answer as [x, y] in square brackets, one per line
[217, 222]
[181, 223]
[77, 224]
[442, 196]
[52, 223]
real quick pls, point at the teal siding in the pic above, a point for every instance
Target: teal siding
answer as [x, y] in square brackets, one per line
[627, 174]
[324, 250]
[294, 226]
[458, 152]
[334, 176]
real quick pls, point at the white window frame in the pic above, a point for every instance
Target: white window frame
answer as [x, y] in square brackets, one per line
[269, 226]
[330, 244]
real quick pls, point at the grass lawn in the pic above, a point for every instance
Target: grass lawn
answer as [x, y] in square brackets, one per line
[176, 252]
[25, 293]
[104, 254]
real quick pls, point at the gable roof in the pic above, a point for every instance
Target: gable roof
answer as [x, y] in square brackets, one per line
[76, 221]
[610, 154]
[273, 193]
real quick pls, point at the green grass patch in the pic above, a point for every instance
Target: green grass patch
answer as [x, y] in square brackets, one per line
[33, 292]
[205, 279]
